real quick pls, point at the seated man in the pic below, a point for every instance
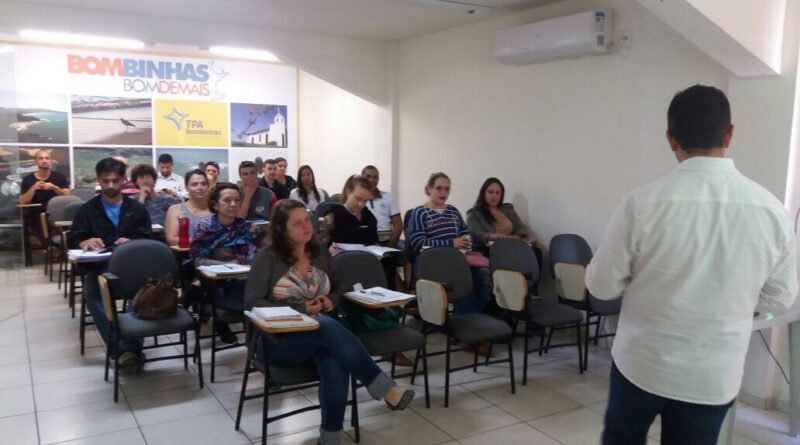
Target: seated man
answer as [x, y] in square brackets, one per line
[39, 188]
[156, 203]
[257, 201]
[107, 220]
[167, 181]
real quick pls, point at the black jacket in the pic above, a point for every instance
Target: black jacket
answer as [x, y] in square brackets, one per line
[92, 222]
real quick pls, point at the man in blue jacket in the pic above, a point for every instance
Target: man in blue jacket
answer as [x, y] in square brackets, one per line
[109, 219]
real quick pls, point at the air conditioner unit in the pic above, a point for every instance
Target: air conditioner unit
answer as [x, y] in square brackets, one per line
[569, 36]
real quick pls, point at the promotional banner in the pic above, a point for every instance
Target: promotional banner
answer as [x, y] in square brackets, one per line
[87, 105]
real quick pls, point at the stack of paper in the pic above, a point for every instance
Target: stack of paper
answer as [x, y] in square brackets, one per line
[225, 269]
[280, 317]
[87, 255]
[376, 250]
[379, 295]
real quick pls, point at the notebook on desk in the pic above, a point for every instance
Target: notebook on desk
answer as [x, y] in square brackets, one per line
[83, 255]
[378, 295]
[376, 250]
[224, 269]
[280, 317]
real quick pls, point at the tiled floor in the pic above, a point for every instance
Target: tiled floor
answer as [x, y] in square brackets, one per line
[50, 394]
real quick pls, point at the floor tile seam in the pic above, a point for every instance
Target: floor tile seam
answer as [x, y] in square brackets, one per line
[24, 296]
[91, 436]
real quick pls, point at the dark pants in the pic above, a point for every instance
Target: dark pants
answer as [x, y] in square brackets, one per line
[337, 353]
[631, 410]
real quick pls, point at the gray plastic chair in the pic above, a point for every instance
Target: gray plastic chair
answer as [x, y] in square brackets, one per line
[443, 277]
[570, 250]
[364, 268]
[514, 270]
[55, 212]
[85, 193]
[122, 282]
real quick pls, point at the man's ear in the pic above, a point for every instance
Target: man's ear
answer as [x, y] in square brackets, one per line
[673, 143]
[726, 142]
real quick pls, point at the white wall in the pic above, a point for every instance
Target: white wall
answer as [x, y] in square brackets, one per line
[340, 133]
[570, 138]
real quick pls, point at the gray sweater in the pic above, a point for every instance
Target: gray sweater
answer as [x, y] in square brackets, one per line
[267, 268]
[480, 228]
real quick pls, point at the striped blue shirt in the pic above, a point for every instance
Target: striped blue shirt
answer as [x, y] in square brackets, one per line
[434, 228]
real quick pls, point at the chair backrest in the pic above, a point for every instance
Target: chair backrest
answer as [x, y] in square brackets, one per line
[56, 206]
[510, 289]
[71, 210]
[85, 193]
[136, 261]
[448, 266]
[570, 281]
[314, 220]
[359, 267]
[432, 301]
[324, 208]
[569, 248]
[334, 198]
[516, 255]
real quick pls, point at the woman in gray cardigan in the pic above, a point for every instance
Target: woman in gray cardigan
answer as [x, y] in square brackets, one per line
[295, 272]
[491, 219]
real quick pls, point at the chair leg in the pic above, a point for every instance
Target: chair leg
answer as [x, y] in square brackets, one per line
[525, 356]
[214, 346]
[425, 376]
[586, 345]
[488, 354]
[354, 409]
[82, 331]
[549, 340]
[108, 360]
[580, 351]
[447, 374]
[198, 359]
[475, 359]
[541, 341]
[116, 373]
[414, 370]
[597, 330]
[244, 387]
[264, 410]
[185, 338]
[392, 355]
[511, 364]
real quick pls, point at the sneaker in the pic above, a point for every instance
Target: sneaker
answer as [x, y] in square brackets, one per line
[226, 335]
[131, 362]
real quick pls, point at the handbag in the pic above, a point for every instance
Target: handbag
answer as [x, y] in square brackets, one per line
[156, 300]
[477, 260]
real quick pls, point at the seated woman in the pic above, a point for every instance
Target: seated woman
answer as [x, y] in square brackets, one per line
[196, 208]
[226, 238]
[307, 191]
[437, 223]
[491, 219]
[157, 204]
[295, 272]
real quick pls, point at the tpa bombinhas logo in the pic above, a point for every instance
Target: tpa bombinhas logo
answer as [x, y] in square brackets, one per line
[176, 117]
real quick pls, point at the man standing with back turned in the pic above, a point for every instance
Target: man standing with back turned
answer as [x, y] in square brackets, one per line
[693, 255]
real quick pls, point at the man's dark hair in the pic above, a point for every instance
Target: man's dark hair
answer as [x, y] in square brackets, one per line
[699, 117]
[369, 167]
[212, 163]
[143, 170]
[109, 165]
[166, 158]
[280, 159]
[270, 161]
[247, 164]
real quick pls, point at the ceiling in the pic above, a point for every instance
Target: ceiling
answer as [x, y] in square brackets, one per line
[368, 19]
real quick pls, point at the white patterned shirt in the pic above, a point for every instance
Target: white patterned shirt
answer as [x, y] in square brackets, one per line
[693, 254]
[172, 182]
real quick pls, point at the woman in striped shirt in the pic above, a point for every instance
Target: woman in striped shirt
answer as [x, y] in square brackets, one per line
[439, 224]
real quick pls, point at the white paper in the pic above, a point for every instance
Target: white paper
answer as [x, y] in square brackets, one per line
[157, 227]
[225, 269]
[78, 254]
[267, 313]
[379, 295]
[376, 250]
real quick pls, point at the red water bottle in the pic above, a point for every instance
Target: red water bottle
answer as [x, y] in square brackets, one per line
[183, 232]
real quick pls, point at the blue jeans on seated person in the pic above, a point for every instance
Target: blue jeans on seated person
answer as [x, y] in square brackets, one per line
[631, 410]
[482, 290]
[337, 353]
[94, 303]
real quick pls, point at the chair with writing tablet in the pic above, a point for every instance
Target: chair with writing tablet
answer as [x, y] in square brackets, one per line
[364, 268]
[514, 270]
[54, 212]
[569, 256]
[122, 282]
[443, 276]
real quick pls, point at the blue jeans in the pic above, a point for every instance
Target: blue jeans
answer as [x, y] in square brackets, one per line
[94, 303]
[631, 410]
[482, 290]
[337, 353]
